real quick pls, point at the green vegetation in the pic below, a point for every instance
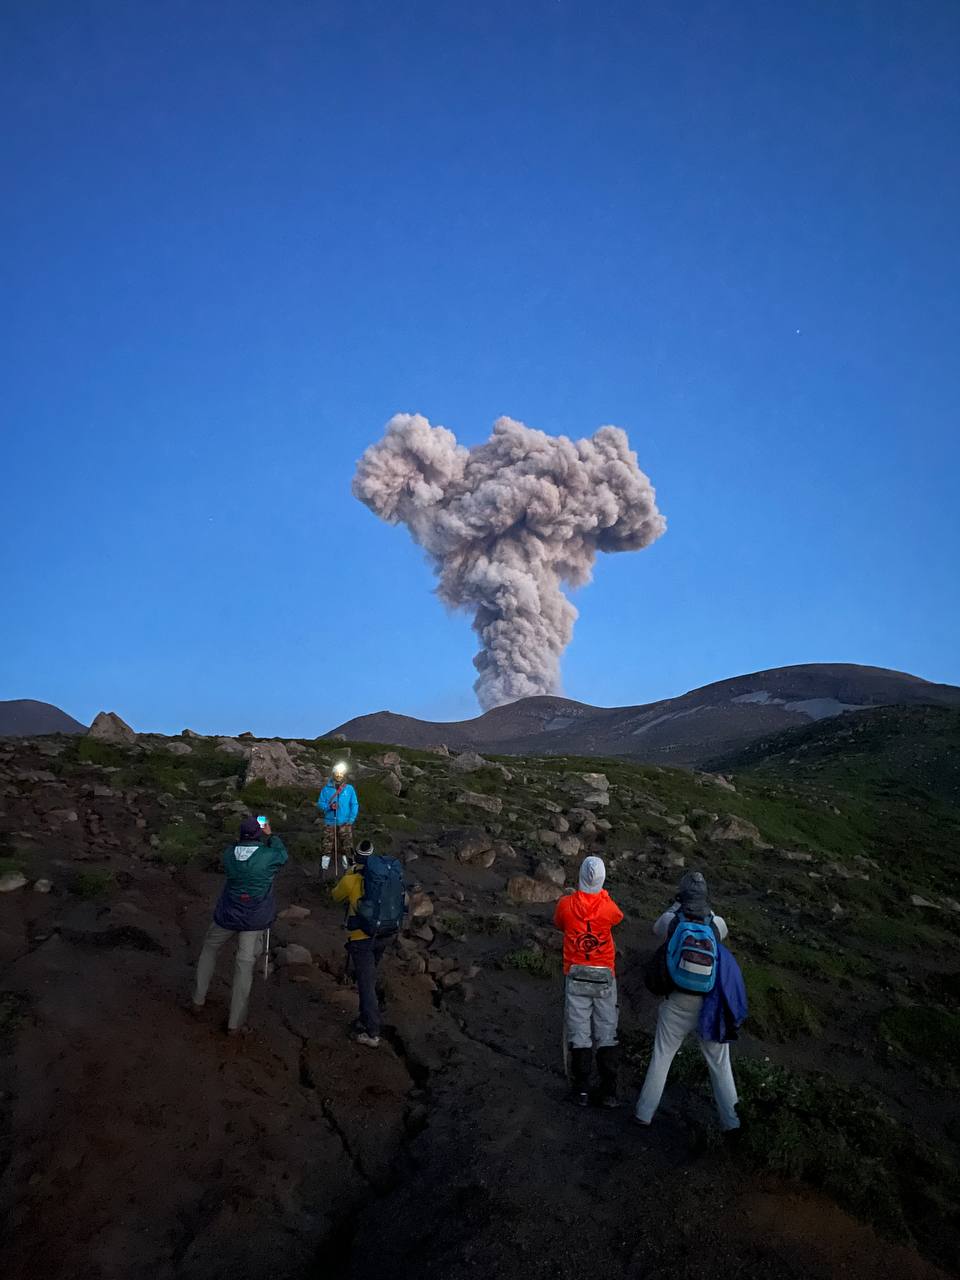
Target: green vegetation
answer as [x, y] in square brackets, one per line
[181, 842]
[778, 1011]
[929, 1035]
[532, 960]
[94, 882]
[11, 865]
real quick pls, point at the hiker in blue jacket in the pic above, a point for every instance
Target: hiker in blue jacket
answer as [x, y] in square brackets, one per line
[339, 806]
[680, 1013]
[247, 908]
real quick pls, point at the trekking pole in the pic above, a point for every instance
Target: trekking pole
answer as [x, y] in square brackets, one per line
[266, 956]
[336, 850]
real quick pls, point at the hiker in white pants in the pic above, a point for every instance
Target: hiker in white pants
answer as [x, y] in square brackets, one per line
[249, 947]
[679, 1014]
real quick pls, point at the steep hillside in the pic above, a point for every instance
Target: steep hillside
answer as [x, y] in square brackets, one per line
[24, 718]
[718, 718]
[136, 1142]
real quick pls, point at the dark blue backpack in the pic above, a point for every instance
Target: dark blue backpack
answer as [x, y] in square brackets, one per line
[380, 910]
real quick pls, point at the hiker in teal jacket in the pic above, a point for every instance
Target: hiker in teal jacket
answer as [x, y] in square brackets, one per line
[339, 805]
[247, 908]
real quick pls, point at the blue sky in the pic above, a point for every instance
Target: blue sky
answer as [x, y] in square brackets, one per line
[238, 238]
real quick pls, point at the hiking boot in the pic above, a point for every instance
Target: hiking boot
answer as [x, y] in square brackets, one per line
[198, 1010]
[236, 1033]
[608, 1062]
[372, 1042]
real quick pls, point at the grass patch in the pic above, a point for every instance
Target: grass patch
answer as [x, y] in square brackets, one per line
[181, 842]
[777, 1010]
[94, 883]
[532, 960]
[928, 1034]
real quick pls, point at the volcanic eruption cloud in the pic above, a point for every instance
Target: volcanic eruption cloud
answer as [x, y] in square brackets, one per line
[506, 525]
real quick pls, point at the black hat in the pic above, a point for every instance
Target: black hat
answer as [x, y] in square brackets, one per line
[364, 848]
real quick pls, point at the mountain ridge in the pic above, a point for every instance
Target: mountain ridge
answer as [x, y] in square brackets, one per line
[28, 718]
[700, 724]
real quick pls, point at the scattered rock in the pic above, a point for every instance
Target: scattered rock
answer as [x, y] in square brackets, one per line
[294, 913]
[716, 780]
[731, 827]
[595, 799]
[794, 855]
[391, 784]
[293, 953]
[549, 839]
[476, 850]
[12, 881]
[526, 889]
[390, 760]
[42, 886]
[423, 932]
[440, 749]
[549, 873]
[674, 860]
[451, 979]
[110, 728]
[190, 733]
[468, 762]
[177, 748]
[421, 906]
[491, 804]
[915, 900]
[569, 846]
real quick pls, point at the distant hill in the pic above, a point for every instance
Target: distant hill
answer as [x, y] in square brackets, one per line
[715, 720]
[24, 718]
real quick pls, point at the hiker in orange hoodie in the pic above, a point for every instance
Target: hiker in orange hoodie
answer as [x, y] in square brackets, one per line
[590, 1011]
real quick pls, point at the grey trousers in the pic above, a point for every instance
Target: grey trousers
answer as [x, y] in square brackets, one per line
[249, 946]
[590, 1011]
[678, 1016]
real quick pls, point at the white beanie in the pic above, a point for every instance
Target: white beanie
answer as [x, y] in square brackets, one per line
[592, 875]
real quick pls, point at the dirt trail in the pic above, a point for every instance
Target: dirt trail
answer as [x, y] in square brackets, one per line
[140, 1142]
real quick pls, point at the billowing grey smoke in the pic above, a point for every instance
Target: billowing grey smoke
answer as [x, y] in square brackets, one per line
[505, 525]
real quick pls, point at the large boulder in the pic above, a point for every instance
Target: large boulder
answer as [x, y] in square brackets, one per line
[732, 827]
[391, 783]
[526, 889]
[271, 763]
[490, 804]
[231, 746]
[468, 762]
[475, 849]
[549, 873]
[108, 727]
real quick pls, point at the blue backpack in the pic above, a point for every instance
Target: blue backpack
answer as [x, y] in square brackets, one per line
[380, 910]
[692, 950]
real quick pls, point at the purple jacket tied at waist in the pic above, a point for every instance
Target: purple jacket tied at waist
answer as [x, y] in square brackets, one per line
[725, 1007]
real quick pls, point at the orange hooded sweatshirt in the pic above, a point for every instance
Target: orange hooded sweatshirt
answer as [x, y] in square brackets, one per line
[586, 920]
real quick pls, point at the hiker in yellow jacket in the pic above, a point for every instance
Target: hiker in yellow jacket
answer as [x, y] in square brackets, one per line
[364, 952]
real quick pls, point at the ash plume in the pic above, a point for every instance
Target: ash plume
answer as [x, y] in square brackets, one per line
[506, 525]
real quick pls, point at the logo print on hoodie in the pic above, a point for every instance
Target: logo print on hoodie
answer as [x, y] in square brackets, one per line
[588, 942]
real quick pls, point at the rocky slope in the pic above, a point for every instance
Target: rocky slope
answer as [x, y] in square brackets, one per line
[688, 730]
[137, 1142]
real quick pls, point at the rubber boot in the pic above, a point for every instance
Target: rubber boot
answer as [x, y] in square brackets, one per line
[608, 1061]
[580, 1063]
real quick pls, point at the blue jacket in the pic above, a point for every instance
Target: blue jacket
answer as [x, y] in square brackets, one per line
[346, 808]
[725, 1007]
[247, 902]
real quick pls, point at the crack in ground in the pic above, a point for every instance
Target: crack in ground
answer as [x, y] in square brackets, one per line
[505, 1053]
